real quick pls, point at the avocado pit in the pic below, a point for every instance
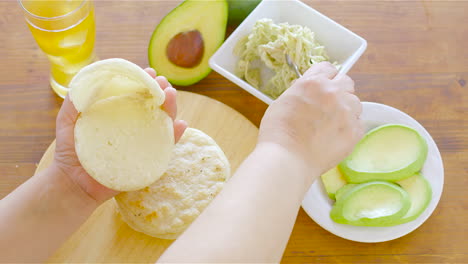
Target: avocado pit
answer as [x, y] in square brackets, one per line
[186, 49]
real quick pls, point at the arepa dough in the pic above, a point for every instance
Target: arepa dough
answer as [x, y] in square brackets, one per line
[123, 138]
[123, 141]
[111, 77]
[196, 174]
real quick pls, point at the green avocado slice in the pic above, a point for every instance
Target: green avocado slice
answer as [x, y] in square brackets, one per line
[389, 152]
[343, 190]
[333, 180]
[376, 203]
[186, 38]
[420, 193]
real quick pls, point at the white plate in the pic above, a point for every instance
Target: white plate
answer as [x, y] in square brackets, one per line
[317, 204]
[342, 45]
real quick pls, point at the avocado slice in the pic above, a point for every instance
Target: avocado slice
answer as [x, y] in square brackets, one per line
[376, 203]
[333, 180]
[420, 193]
[185, 39]
[240, 9]
[343, 190]
[389, 152]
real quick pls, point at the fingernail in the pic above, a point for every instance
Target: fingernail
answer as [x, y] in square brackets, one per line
[170, 88]
[182, 122]
[149, 67]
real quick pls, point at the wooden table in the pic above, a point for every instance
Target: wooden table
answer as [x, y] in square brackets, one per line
[417, 61]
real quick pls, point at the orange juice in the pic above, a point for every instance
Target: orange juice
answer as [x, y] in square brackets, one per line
[65, 31]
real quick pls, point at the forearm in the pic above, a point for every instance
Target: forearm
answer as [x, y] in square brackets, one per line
[252, 218]
[40, 215]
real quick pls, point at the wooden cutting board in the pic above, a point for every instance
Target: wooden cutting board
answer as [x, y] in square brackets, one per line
[104, 237]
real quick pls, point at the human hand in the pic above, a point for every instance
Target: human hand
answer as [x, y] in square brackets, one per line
[65, 156]
[316, 119]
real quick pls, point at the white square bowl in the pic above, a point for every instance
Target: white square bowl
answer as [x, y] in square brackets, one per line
[342, 45]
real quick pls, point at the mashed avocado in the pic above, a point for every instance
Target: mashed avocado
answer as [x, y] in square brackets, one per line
[269, 42]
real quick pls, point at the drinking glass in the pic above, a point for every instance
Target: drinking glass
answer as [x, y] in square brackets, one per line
[65, 31]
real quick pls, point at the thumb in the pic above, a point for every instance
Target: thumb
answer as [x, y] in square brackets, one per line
[66, 119]
[324, 68]
[67, 114]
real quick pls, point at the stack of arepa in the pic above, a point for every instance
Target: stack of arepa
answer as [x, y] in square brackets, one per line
[125, 141]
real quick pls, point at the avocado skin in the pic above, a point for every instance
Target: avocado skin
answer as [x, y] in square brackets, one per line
[239, 10]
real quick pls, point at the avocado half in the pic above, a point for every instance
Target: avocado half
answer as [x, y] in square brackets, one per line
[389, 152]
[186, 38]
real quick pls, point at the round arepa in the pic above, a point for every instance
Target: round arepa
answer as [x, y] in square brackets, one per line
[123, 138]
[196, 174]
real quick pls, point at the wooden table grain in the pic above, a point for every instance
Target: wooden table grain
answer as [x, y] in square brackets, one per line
[416, 61]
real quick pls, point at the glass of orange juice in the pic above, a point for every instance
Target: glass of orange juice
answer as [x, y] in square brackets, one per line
[65, 31]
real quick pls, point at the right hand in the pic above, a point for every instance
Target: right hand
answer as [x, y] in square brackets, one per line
[316, 119]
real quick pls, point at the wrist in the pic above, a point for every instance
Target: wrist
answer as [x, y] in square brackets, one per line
[73, 198]
[304, 172]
